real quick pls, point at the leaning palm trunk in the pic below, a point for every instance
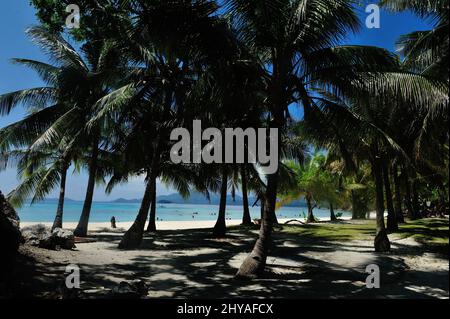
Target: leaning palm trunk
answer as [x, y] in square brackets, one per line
[332, 214]
[220, 227]
[255, 263]
[381, 242]
[398, 196]
[132, 239]
[392, 225]
[246, 219]
[82, 227]
[58, 222]
[152, 216]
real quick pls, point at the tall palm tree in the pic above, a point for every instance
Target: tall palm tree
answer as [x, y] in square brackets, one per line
[75, 85]
[296, 59]
[246, 218]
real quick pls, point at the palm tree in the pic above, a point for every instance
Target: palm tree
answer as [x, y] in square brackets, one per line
[246, 218]
[297, 59]
[151, 227]
[313, 183]
[425, 52]
[392, 224]
[40, 172]
[219, 229]
[174, 71]
[75, 85]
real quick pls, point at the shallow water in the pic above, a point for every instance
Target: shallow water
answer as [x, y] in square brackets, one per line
[102, 212]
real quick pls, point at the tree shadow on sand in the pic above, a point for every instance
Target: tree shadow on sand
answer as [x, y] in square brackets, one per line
[191, 264]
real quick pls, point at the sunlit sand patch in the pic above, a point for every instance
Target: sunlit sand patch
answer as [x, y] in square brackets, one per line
[290, 244]
[204, 264]
[430, 291]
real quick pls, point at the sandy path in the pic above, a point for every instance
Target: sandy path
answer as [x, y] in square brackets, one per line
[189, 263]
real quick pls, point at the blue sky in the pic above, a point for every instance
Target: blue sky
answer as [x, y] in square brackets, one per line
[17, 15]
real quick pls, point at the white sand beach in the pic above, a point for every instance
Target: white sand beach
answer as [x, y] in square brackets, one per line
[162, 225]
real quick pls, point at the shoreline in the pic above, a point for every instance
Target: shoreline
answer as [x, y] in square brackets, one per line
[162, 225]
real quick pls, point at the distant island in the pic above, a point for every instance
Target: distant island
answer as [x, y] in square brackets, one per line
[195, 199]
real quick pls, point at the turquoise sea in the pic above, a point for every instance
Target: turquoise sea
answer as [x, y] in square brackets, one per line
[102, 212]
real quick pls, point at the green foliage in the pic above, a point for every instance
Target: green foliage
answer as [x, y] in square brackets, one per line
[312, 179]
[146, 67]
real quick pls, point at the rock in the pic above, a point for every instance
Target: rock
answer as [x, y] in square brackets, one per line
[39, 236]
[130, 290]
[10, 236]
[43, 237]
[64, 238]
[10, 239]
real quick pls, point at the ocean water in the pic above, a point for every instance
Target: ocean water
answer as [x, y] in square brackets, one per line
[123, 212]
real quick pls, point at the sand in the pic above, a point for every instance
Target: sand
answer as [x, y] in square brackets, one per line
[186, 262]
[161, 225]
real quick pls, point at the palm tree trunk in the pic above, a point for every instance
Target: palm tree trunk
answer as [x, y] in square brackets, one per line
[408, 197]
[274, 218]
[392, 225]
[310, 218]
[398, 196]
[332, 214]
[381, 242]
[82, 227]
[354, 205]
[220, 227]
[132, 239]
[358, 211]
[415, 200]
[262, 208]
[58, 222]
[255, 263]
[443, 198]
[246, 219]
[152, 216]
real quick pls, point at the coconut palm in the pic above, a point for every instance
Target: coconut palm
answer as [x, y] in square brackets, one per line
[313, 183]
[425, 52]
[297, 59]
[75, 85]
